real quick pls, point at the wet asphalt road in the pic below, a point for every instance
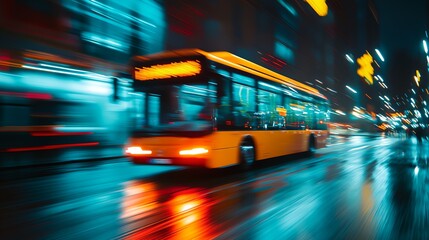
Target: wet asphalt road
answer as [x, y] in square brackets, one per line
[357, 188]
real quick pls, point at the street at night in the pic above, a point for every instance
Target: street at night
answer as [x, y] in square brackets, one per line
[359, 187]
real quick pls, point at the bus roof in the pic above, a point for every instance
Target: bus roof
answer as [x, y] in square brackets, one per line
[231, 60]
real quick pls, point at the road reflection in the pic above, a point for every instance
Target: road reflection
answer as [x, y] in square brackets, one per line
[377, 192]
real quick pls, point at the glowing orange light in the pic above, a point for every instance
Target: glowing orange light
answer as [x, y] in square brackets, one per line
[319, 6]
[417, 78]
[137, 151]
[194, 151]
[365, 68]
[170, 70]
[140, 197]
[297, 105]
[282, 111]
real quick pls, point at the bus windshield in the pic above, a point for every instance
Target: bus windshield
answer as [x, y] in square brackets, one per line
[176, 109]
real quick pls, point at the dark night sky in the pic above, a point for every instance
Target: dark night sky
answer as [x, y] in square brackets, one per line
[402, 26]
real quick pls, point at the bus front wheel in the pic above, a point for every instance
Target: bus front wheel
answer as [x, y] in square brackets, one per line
[247, 155]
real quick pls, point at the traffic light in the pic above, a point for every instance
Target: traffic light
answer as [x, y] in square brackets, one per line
[417, 78]
[365, 68]
[319, 6]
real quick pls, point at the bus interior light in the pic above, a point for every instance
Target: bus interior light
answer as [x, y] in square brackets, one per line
[194, 151]
[137, 151]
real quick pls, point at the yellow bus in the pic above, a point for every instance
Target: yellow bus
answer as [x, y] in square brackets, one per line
[215, 109]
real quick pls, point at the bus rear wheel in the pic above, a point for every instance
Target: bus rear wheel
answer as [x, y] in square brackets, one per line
[311, 145]
[247, 155]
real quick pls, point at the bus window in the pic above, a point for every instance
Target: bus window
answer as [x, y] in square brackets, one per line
[224, 112]
[179, 108]
[243, 105]
[154, 110]
[295, 114]
[137, 110]
[267, 107]
[321, 117]
[310, 120]
[243, 79]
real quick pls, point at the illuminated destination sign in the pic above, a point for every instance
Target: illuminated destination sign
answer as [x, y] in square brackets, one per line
[168, 70]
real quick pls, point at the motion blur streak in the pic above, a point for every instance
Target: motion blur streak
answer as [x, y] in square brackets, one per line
[50, 147]
[51, 134]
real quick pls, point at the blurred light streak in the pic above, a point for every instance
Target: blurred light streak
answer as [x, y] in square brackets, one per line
[52, 134]
[50, 147]
[29, 95]
[416, 170]
[120, 13]
[72, 72]
[63, 68]
[169, 70]
[319, 6]
[351, 89]
[340, 112]
[425, 46]
[358, 148]
[349, 59]
[288, 7]
[417, 81]
[379, 55]
[331, 90]
[103, 41]
[376, 63]
[52, 70]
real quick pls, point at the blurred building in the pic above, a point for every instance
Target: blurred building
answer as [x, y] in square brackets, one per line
[356, 32]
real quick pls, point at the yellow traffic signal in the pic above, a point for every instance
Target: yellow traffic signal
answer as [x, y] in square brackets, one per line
[417, 78]
[365, 68]
[319, 6]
